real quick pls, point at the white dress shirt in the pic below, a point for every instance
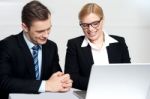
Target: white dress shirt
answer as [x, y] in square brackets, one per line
[30, 45]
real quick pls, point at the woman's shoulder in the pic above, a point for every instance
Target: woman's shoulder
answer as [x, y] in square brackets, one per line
[118, 38]
[77, 39]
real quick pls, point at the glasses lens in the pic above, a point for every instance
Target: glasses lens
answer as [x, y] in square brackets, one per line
[94, 24]
[84, 25]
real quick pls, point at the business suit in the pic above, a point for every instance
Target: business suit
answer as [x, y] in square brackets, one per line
[17, 73]
[79, 59]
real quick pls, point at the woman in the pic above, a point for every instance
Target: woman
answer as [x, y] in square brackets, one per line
[95, 47]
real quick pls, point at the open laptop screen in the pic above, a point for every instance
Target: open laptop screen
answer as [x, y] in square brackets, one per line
[119, 81]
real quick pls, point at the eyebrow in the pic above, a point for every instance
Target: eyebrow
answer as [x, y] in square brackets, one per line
[90, 22]
[43, 29]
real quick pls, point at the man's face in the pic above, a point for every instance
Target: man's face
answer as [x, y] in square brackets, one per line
[39, 31]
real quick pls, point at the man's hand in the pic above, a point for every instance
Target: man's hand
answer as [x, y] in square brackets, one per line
[66, 82]
[58, 82]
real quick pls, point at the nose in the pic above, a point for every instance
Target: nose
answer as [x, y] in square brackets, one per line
[91, 28]
[45, 34]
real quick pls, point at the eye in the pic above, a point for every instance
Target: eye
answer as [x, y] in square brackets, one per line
[84, 25]
[95, 23]
[48, 29]
[40, 32]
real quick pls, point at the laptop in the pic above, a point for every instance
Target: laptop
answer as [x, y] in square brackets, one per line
[118, 81]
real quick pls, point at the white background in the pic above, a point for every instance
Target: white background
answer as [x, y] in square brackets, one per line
[127, 18]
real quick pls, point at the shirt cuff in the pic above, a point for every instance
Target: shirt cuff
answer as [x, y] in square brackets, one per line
[42, 87]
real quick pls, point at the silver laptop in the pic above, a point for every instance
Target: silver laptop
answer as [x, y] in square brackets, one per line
[118, 81]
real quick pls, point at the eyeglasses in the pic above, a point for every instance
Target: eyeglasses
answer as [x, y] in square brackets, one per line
[94, 24]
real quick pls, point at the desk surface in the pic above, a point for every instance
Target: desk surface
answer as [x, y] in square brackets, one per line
[47, 95]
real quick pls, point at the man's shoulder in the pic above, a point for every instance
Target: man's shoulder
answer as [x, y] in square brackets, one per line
[10, 44]
[10, 40]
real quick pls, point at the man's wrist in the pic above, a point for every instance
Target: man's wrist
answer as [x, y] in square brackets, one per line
[42, 87]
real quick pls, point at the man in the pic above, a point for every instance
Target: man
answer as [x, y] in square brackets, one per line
[29, 62]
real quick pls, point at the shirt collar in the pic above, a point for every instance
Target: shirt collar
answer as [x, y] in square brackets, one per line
[108, 40]
[29, 43]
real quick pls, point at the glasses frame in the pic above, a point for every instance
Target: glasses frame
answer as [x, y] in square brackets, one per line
[94, 24]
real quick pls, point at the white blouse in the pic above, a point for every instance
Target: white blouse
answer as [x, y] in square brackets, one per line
[100, 55]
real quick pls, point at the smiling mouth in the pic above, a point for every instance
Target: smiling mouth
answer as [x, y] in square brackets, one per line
[43, 39]
[92, 33]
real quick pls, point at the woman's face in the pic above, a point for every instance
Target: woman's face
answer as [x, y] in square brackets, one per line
[92, 27]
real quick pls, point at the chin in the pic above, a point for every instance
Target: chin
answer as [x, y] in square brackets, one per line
[92, 38]
[42, 42]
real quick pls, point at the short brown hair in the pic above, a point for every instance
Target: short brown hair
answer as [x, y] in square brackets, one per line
[91, 8]
[33, 11]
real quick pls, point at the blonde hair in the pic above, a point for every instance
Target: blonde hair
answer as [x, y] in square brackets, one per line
[91, 8]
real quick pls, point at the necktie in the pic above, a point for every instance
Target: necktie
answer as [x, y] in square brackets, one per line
[35, 58]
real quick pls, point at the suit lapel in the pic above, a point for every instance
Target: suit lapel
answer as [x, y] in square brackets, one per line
[27, 55]
[46, 60]
[112, 52]
[43, 62]
[88, 55]
[109, 53]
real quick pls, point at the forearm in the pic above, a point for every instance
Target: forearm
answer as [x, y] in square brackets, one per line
[15, 85]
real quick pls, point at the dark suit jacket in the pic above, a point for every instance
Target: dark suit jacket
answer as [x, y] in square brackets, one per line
[79, 59]
[17, 69]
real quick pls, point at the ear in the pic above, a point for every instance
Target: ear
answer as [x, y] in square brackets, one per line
[102, 22]
[25, 27]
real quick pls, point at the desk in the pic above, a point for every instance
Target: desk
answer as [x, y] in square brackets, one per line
[47, 95]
